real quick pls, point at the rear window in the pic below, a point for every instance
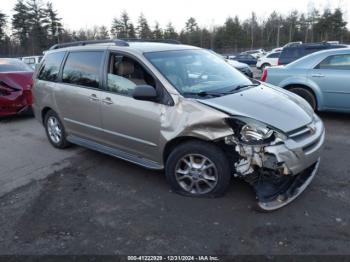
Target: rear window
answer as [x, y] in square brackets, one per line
[83, 68]
[51, 67]
[14, 65]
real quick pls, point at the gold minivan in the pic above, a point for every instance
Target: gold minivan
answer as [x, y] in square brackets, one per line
[180, 109]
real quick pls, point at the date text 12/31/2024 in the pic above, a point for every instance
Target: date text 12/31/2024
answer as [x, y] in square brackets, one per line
[173, 258]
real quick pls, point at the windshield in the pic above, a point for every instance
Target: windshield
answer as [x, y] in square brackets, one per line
[14, 65]
[194, 72]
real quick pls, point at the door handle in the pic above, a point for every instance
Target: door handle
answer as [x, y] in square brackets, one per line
[107, 101]
[317, 75]
[94, 98]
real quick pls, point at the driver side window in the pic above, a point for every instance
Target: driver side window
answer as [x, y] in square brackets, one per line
[125, 73]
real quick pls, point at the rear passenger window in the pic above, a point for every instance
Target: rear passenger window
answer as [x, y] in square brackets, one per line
[83, 68]
[51, 67]
[335, 62]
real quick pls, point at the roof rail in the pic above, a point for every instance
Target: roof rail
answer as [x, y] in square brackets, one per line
[118, 42]
[166, 41]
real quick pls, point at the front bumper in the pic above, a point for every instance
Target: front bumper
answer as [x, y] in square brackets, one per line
[296, 186]
[301, 150]
[280, 172]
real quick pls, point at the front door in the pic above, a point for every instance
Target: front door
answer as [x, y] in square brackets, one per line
[130, 125]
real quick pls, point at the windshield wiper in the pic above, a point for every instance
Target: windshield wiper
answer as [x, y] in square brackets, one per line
[244, 86]
[217, 94]
[203, 93]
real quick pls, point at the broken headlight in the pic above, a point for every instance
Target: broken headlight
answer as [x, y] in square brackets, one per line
[250, 131]
[255, 133]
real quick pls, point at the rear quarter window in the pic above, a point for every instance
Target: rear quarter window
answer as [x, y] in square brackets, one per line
[51, 66]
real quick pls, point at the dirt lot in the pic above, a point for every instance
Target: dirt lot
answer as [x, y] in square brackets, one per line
[82, 202]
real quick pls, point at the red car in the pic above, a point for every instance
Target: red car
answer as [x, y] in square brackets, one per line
[15, 87]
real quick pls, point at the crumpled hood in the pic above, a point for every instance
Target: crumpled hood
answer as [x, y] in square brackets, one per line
[271, 105]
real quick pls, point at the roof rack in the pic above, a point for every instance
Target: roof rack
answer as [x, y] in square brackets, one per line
[118, 42]
[166, 41]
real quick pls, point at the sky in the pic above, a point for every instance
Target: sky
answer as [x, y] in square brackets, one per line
[78, 14]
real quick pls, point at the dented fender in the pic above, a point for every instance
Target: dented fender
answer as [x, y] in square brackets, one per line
[190, 118]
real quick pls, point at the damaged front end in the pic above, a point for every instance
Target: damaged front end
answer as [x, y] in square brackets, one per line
[278, 166]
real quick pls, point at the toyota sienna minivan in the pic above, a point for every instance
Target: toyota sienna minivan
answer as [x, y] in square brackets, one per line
[180, 109]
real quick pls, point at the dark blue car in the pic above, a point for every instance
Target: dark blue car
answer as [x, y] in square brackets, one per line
[246, 58]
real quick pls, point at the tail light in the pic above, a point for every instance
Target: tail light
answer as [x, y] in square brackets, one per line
[264, 75]
[279, 61]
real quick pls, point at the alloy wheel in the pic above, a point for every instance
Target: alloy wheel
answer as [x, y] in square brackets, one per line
[196, 174]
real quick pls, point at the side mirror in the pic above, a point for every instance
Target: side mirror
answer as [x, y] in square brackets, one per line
[145, 92]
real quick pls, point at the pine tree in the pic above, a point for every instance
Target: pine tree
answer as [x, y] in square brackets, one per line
[54, 25]
[103, 33]
[121, 27]
[38, 22]
[3, 21]
[169, 32]
[191, 25]
[131, 31]
[157, 32]
[143, 29]
[20, 23]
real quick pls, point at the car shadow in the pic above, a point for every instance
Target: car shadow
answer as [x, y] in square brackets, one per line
[7, 119]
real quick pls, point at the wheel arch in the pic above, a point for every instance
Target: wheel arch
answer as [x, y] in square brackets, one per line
[170, 145]
[44, 112]
[311, 89]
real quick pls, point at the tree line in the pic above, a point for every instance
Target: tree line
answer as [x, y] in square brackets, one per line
[35, 26]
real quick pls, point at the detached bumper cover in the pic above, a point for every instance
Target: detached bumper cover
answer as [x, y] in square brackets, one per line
[280, 172]
[292, 189]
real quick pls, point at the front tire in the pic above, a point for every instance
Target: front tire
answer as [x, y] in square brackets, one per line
[306, 94]
[198, 169]
[55, 130]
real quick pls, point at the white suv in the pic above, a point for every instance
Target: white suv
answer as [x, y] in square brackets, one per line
[271, 59]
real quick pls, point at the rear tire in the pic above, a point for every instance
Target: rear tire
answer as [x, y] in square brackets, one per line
[198, 169]
[55, 130]
[306, 94]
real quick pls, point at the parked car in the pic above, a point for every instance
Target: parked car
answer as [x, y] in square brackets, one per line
[244, 68]
[246, 59]
[271, 59]
[15, 87]
[255, 53]
[294, 52]
[32, 61]
[144, 103]
[321, 78]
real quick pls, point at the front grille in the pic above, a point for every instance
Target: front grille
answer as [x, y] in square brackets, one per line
[300, 133]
